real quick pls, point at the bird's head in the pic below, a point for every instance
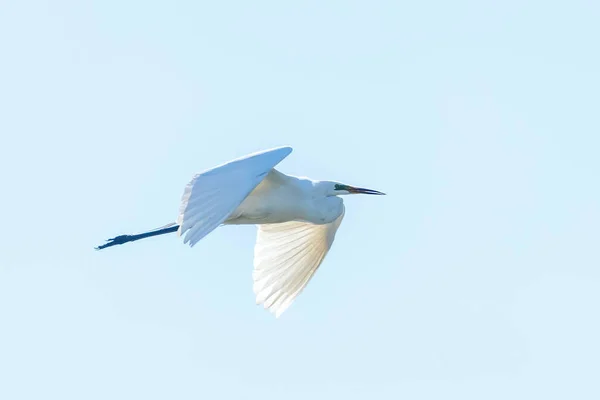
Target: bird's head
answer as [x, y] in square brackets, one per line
[338, 189]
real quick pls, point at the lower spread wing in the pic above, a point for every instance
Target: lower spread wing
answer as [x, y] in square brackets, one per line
[214, 194]
[286, 257]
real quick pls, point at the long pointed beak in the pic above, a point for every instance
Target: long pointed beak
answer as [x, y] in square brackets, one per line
[365, 191]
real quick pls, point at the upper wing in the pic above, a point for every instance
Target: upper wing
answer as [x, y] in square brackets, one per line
[212, 195]
[286, 256]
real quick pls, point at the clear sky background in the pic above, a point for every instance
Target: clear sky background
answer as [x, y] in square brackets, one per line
[477, 277]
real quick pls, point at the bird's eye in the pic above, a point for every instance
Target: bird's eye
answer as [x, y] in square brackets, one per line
[340, 187]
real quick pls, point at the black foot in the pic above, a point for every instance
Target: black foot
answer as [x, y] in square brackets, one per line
[115, 241]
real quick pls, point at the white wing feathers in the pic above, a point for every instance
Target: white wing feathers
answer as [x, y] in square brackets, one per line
[286, 257]
[211, 196]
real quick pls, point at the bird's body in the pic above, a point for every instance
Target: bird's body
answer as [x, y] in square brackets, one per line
[281, 198]
[297, 219]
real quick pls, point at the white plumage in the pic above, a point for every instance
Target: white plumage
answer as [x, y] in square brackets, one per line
[286, 256]
[297, 220]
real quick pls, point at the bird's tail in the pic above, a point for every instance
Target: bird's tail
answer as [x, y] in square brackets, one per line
[172, 227]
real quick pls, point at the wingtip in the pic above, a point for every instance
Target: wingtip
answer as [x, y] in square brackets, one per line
[287, 150]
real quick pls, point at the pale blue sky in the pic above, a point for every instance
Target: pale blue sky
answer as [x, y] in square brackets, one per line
[477, 277]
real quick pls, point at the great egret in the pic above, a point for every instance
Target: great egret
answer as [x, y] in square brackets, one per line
[297, 219]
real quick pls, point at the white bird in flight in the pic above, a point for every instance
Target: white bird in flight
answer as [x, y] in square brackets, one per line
[297, 219]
